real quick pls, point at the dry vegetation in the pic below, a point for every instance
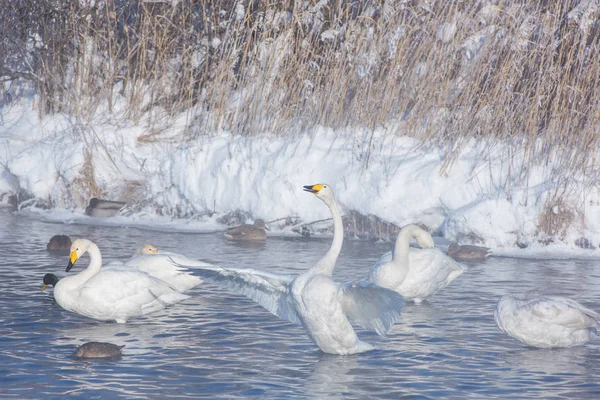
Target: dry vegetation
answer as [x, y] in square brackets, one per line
[447, 68]
[523, 72]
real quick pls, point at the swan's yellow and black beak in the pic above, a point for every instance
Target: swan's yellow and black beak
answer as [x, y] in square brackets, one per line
[313, 188]
[72, 260]
[154, 251]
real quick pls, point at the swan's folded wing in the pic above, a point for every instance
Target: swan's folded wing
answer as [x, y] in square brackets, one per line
[120, 284]
[564, 311]
[371, 306]
[114, 264]
[272, 291]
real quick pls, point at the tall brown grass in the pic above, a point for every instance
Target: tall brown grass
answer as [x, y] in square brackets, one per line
[522, 72]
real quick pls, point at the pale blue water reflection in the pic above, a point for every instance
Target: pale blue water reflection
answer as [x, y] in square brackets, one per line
[218, 345]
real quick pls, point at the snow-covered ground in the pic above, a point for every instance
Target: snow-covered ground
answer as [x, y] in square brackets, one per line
[175, 185]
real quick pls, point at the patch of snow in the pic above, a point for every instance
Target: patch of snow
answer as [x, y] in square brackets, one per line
[215, 42]
[445, 32]
[330, 34]
[239, 11]
[583, 14]
[475, 201]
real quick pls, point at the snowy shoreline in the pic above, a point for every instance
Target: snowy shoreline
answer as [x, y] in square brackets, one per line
[479, 199]
[559, 251]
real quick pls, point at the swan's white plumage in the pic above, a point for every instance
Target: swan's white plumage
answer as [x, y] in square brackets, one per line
[165, 266]
[115, 294]
[546, 321]
[272, 291]
[313, 299]
[416, 273]
[370, 307]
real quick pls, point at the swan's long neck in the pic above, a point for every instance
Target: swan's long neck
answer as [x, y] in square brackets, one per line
[327, 263]
[91, 270]
[400, 259]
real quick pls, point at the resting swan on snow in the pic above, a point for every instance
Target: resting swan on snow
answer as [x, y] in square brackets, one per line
[114, 294]
[163, 265]
[546, 321]
[418, 273]
[313, 299]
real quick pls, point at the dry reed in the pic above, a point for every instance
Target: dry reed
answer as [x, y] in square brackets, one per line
[519, 72]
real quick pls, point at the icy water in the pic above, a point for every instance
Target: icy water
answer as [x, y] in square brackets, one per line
[219, 345]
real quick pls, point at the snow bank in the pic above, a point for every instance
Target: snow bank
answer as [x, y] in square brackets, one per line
[476, 201]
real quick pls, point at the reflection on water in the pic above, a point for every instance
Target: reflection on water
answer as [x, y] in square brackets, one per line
[219, 345]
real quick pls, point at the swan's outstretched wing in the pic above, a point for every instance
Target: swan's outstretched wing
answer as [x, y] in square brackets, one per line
[272, 291]
[371, 306]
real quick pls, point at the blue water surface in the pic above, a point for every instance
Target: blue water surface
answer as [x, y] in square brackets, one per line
[220, 345]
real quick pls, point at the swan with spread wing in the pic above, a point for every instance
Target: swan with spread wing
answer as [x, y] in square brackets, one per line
[313, 299]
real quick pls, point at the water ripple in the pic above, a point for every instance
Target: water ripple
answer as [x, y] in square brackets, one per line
[219, 345]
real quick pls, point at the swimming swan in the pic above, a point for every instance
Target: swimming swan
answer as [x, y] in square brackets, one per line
[546, 321]
[255, 231]
[162, 265]
[324, 307]
[418, 273]
[114, 294]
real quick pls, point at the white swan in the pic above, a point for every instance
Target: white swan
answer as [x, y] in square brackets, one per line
[324, 307]
[546, 321]
[418, 273]
[163, 265]
[115, 294]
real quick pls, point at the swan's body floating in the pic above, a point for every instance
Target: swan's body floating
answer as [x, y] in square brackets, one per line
[546, 321]
[115, 294]
[98, 350]
[468, 252]
[164, 266]
[313, 299]
[248, 232]
[103, 208]
[418, 273]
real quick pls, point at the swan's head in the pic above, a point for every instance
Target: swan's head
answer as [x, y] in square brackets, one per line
[78, 248]
[49, 279]
[321, 190]
[148, 249]
[424, 238]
